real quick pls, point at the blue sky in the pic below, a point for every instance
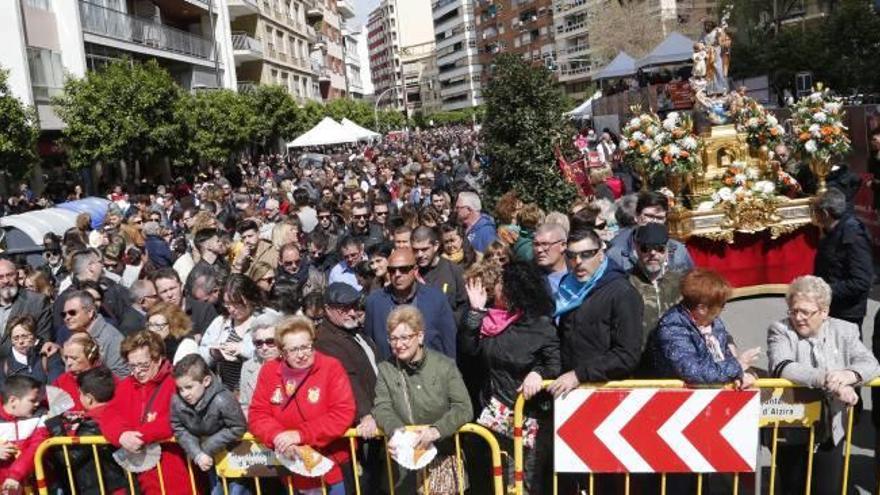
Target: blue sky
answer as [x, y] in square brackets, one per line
[362, 9]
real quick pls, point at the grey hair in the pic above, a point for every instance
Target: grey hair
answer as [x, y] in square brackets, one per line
[85, 299]
[810, 287]
[560, 219]
[552, 228]
[139, 289]
[152, 228]
[832, 203]
[80, 261]
[268, 319]
[470, 199]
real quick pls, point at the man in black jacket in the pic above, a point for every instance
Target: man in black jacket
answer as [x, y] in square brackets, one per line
[437, 271]
[600, 317]
[16, 301]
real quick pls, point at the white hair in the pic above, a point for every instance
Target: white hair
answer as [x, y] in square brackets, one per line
[810, 287]
[471, 200]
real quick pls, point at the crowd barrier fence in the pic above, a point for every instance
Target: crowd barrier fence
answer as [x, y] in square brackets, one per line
[774, 426]
[65, 443]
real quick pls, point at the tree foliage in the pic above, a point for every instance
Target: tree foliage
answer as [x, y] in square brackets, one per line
[123, 112]
[523, 125]
[216, 123]
[18, 132]
[276, 116]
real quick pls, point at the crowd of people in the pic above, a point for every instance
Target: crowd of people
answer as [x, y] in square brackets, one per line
[299, 297]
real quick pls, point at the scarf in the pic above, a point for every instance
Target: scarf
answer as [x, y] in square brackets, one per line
[456, 257]
[710, 339]
[497, 321]
[572, 293]
[292, 378]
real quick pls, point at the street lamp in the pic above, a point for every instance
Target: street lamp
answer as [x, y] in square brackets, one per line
[376, 106]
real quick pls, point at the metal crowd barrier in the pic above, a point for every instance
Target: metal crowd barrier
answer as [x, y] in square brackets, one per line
[763, 383]
[65, 443]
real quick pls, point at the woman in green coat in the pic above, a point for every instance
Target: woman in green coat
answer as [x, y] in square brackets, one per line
[421, 387]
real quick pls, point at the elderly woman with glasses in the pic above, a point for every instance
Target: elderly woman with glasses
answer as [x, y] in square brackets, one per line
[423, 388]
[266, 349]
[826, 354]
[304, 399]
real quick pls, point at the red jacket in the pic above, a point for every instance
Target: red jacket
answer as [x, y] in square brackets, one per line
[130, 413]
[67, 382]
[321, 410]
[27, 434]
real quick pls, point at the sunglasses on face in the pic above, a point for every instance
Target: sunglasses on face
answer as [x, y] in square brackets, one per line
[647, 248]
[586, 254]
[360, 217]
[400, 269]
[270, 342]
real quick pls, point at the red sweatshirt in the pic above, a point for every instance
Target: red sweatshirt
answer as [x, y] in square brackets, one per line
[27, 434]
[130, 413]
[321, 410]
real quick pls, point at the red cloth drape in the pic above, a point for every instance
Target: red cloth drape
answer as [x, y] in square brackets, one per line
[755, 259]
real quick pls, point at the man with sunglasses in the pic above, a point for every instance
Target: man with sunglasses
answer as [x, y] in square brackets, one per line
[81, 315]
[658, 286]
[440, 328]
[599, 314]
[365, 231]
[651, 207]
[54, 267]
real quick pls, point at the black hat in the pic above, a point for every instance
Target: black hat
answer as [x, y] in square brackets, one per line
[341, 294]
[652, 234]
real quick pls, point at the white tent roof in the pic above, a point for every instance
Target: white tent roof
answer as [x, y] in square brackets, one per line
[35, 224]
[585, 109]
[328, 131]
[622, 65]
[360, 132]
[674, 49]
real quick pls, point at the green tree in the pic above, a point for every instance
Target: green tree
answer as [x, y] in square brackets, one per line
[357, 111]
[312, 113]
[123, 112]
[389, 120]
[19, 131]
[277, 116]
[522, 126]
[217, 124]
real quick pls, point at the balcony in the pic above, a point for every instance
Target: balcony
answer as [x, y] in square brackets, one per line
[119, 26]
[238, 8]
[245, 48]
[314, 11]
[345, 8]
[247, 86]
[574, 50]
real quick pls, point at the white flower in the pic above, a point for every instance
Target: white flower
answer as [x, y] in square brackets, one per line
[624, 144]
[662, 137]
[635, 122]
[780, 130]
[833, 107]
[638, 135]
[764, 187]
[673, 116]
[689, 143]
[772, 120]
[674, 150]
[815, 130]
[669, 124]
[751, 173]
[817, 96]
[739, 178]
[655, 155]
[752, 122]
[810, 146]
[649, 143]
[820, 117]
[724, 194]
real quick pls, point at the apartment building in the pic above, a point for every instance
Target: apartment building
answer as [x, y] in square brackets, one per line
[400, 37]
[332, 71]
[523, 27]
[43, 40]
[458, 64]
[353, 82]
[574, 61]
[272, 43]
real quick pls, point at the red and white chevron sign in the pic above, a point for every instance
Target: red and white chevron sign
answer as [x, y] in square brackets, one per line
[656, 431]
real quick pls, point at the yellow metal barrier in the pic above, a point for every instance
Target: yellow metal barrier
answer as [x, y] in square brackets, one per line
[95, 441]
[767, 383]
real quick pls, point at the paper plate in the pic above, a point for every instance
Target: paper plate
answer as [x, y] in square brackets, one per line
[403, 442]
[138, 462]
[297, 466]
[59, 401]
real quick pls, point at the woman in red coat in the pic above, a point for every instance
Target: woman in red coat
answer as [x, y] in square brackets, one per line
[304, 398]
[80, 354]
[142, 414]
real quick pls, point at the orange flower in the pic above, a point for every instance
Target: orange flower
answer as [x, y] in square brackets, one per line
[667, 159]
[827, 130]
[804, 136]
[774, 131]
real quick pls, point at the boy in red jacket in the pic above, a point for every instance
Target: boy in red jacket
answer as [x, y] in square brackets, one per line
[20, 432]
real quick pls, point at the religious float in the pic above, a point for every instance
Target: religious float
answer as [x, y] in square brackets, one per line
[735, 206]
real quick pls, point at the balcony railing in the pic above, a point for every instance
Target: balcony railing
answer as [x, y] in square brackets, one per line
[442, 3]
[121, 26]
[241, 41]
[577, 49]
[571, 27]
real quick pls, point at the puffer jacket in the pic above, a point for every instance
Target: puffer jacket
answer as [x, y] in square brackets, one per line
[679, 351]
[529, 344]
[213, 424]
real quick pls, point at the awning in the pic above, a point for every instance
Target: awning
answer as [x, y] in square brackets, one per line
[328, 131]
[623, 65]
[95, 207]
[676, 48]
[360, 132]
[585, 109]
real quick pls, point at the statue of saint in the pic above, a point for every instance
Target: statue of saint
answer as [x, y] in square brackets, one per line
[717, 42]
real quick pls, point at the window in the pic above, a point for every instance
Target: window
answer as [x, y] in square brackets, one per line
[47, 73]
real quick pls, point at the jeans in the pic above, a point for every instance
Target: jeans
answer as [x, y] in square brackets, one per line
[235, 487]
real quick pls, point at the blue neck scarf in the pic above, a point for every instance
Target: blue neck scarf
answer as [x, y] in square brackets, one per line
[572, 293]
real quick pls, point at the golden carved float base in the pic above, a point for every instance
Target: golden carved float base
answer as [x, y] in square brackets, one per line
[778, 215]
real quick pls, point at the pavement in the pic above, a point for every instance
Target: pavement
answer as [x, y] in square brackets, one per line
[747, 320]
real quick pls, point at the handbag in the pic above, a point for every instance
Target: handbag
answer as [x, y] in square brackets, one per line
[499, 418]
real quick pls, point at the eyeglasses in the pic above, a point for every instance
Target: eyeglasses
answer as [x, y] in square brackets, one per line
[794, 313]
[22, 338]
[586, 254]
[139, 366]
[323, 217]
[400, 269]
[546, 245]
[380, 213]
[344, 308]
[268, 280]
[51, 254]
[361, 217]
[71, 312]
[647, 248]
[157, 325]
[303, 349]
[264, 342]
[403, 339]
[290, 263]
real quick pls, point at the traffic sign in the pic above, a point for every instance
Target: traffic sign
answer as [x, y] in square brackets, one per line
[656, 431]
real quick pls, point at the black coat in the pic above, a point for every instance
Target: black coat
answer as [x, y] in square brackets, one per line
[530, 344]
[341, 344]
[29, 303]
[82, 460]
[449, 279]
[42, 369]
[601, 339]
[844, 260]
[201, 314]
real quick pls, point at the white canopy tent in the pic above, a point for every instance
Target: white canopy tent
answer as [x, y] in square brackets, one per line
[360, 132]
[585, 109]
[328, 131]
[676, 48]
[623, 65]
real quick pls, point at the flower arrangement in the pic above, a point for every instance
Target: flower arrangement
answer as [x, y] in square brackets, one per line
[741, 182]
[657, 146]
[817, 124]
[786, 184]
[761, 127]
